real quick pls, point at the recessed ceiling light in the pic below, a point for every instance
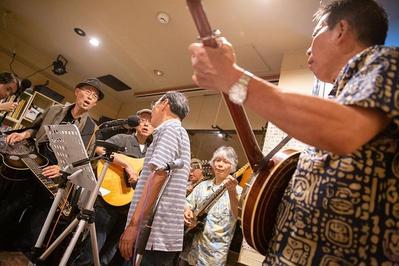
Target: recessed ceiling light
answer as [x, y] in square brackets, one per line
[94, 41]
[158, 72]
[79, 32]
[163, 17]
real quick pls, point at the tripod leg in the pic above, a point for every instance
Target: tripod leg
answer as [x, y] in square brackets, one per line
[94, 245]
[49, 218]
[72, 244]
[59, 239]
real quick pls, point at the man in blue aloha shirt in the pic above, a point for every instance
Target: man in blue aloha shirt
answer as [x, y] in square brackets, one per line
[341, 206]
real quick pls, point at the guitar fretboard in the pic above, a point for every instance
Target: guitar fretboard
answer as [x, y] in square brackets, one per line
[37, 171]
[214, 197]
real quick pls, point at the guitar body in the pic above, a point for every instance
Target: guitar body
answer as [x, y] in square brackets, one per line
[121, 193]
[262, 195]
[14, 169]
[261, 198]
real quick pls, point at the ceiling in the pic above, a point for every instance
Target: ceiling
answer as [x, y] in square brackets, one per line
[134, 43]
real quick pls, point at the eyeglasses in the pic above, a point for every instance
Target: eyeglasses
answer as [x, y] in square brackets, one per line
[144, 120]
[153, 104]
[91, 93]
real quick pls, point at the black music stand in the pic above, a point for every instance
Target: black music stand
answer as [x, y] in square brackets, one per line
[67, 144]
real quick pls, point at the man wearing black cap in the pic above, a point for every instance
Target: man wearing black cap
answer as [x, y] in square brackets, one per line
[111, 220]
[88, 93]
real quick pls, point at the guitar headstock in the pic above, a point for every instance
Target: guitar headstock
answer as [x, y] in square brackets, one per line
[207, 170]
[204, 165]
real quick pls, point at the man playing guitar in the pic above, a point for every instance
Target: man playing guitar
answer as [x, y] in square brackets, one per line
[111, 220]
[88, 93]
[337, 208]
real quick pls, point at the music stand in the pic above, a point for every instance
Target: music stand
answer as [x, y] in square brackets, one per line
[68, 147]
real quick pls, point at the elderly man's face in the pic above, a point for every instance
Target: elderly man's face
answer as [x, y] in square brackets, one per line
[86, 97]
[322, 53]
[145, 128]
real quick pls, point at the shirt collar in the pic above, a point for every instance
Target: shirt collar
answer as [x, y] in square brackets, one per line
[165, 123]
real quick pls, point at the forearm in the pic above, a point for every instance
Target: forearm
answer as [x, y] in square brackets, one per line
[318, 122]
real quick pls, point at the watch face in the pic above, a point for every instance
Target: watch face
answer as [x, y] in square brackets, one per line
[238, 93]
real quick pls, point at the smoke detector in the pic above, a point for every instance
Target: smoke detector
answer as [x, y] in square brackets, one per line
[163, 17]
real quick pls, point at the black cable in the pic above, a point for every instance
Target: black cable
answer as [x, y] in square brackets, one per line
[38, 71]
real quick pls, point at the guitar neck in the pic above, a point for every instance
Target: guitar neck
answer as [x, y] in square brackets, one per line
[240, 119]
[209, 202]
[37, 171]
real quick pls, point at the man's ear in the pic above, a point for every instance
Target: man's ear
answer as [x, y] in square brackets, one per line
[164, 104]
[342, 30]
[76, 92]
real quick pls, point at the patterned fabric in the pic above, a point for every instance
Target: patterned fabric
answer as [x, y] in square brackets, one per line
[344, 210]
[170, 143]
[212, 246]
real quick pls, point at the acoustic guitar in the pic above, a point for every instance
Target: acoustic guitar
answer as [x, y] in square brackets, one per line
[20, 161]
[203, 208]
[260, 201]
[116, 181]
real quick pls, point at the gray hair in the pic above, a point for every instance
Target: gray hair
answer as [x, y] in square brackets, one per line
[227, 153]
[178, 103]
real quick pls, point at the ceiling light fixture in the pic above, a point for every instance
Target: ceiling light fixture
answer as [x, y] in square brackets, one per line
[59, 65]
[79, 32]
[163, 17]
[158, 72]
[94, 42]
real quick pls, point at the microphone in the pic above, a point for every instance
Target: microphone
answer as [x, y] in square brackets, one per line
[132, 121]
[110, 130]
[110, 147]
[176, 164]
[24, 84]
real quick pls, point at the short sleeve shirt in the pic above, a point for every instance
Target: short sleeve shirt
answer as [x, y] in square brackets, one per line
[170, 143]
[344, 209]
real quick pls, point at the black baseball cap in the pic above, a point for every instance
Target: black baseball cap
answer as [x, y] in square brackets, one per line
[93, 82]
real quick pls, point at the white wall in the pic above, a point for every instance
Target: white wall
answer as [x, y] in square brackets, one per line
[294, 77]
[203, 112]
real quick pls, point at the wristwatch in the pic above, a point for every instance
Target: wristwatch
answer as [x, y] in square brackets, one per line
[238, 92]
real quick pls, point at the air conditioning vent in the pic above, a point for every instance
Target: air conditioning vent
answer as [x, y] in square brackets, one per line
[114, 83]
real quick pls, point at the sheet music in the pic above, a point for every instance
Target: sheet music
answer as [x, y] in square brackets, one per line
[273, 137]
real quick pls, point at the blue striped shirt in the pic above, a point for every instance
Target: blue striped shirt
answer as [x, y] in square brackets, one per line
[170, 143]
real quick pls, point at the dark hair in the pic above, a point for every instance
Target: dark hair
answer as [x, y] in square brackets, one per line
[367, 18]
[178, 103]
[7, 77]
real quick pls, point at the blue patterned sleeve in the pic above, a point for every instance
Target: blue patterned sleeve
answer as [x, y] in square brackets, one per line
[375, 83]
